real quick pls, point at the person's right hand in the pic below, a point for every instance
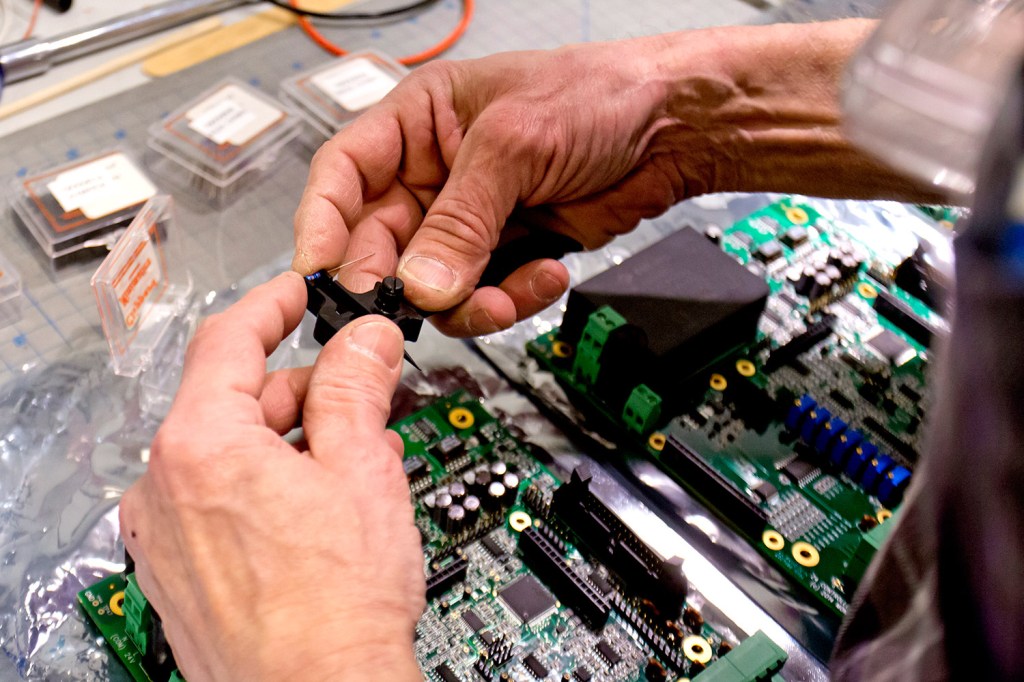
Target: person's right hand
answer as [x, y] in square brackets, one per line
[424, 182]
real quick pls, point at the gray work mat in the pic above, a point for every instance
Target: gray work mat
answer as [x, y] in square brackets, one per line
[59, 312]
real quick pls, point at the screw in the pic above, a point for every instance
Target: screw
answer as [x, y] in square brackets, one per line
[390, 293]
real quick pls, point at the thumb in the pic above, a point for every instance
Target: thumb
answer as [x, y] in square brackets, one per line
[350, 390]
[445, 258]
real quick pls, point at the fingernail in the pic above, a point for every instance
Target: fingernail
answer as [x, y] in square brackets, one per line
[480, 322]
[430, 272]
[546, 287]
[379, 340]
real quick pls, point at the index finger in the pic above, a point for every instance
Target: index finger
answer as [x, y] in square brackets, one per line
[354, 166]
[229, 351]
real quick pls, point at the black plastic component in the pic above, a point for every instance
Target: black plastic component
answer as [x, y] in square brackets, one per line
[655, 672]
[794, 236]
[612, 543]
[894, 441]
[446, 674]
[536, 668]
[752, 404]
[492, 546]
[582, 674]
[840, 399]
[500, 651]
[919, 279]
[527, 598]
[474, 621]
[334, 306]
[685, 302]
[913, 395]
[905, 319]
[768, 252]
[731, 503]
[650, 632]
[158, 660]
[448, 448]
[482, 667]
[445, 578]
[576, 592]
[765, 491]
[601, 583]
[610, 655]
[800, 344]
[415, 468]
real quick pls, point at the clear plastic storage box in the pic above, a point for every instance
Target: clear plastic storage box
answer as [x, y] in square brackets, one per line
[333, 95]
[82, 206]
[230, 133]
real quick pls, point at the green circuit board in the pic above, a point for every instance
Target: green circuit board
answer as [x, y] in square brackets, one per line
[514, 591]
[755, 437]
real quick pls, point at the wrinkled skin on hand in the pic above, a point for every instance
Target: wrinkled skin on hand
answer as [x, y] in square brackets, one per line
[426, 180]
[269, 561]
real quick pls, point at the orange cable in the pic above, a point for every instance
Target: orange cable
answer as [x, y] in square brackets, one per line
[32, 20]
[467, 15]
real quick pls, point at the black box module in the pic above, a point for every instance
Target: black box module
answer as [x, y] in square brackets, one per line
[685, 302]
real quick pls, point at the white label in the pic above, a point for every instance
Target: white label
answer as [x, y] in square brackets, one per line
[232, 116]
[138, 278]
[355, 85]
[101, 187]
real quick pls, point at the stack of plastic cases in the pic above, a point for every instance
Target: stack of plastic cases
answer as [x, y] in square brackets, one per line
[333, 95]
[10, 293]
[218, 144]
[77, 210]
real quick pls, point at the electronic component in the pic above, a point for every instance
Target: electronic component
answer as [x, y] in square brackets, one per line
[573, 590]
[765, 491]
[415, 468]
[713, 302]
[891, 348]
[582, 674]
[527, 599]
[448, 448]
[916, 276]
[608, 653]
[334, 306]
[800, 344]
[475, 623]
[768, 252]
[445, 578]
[799, 471]
[794, 236]
[535, 667]
[900, 314]
[492, 546]
[616, 546]
[445, 674]
[756, 659]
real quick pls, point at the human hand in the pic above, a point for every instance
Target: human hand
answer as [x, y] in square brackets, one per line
[424, 182]
[265, 560]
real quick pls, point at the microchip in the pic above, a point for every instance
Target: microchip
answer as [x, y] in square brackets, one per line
[415, 468]
[768, 252]
[493, 546]
[891, 347]
[601, 583]
[582, 674]
[446, 674]
[426, 429]
[535, 667]
[527, 598]
[799, 470]
[608, 653]
[473, 621]
[449, 448]
[742, 237]
[794, 236]
[765, 491]
[487, 637]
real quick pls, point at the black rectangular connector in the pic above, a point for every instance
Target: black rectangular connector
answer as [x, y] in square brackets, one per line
[445, 578]
[730, 502]
[788, 353]
[904, 318]
[549, 565]
[612, 543]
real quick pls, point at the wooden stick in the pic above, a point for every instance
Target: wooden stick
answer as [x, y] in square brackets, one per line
[113, 66]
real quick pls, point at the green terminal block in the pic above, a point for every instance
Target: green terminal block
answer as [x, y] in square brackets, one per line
[868, 546]
[756, 659]
[642, 410]
[601, 323]
[138, 614]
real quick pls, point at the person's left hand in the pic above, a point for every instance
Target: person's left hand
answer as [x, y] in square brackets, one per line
[265, 560]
